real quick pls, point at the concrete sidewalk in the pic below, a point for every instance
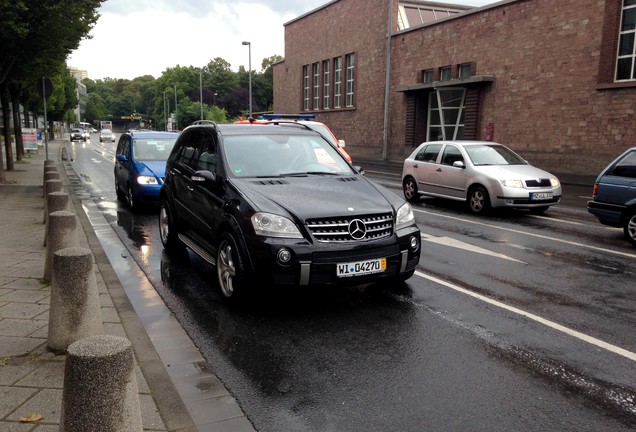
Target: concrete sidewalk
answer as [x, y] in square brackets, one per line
[189, 398]
[31, 377]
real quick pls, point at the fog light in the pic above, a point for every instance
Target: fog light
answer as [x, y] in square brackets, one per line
[284, 256]
[415, 243]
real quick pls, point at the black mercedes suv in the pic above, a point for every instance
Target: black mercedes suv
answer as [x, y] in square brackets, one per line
[278, 204]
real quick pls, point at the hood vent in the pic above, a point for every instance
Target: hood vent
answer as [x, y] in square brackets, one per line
[271, 182]
[347, 179]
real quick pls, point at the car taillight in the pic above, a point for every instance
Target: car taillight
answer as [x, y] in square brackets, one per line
[595, 190]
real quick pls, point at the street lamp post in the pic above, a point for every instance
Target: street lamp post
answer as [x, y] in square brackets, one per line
[249, 46]
[176, 108]
[201, 91]
[166, 108]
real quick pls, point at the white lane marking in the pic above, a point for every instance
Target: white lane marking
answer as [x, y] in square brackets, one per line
[451, 242]
[96, 160]
[578, 335]
[571, 243]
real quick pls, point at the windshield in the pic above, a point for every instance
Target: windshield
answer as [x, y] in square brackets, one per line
[493, 155]
[157, 149]
[282, 155]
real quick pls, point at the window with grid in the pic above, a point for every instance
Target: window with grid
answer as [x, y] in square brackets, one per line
[326, 83]
[316, 87]
[306, 87]
[445, 73]
[626, 59]
[446, 114]
[337, 82]
[465, 70]
[350, 63]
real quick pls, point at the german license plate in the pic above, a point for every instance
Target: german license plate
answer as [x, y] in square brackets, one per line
[360, 268]
[538, 196]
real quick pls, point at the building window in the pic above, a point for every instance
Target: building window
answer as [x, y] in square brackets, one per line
[306, 87]
[445, 73]
[410, 15]
[350, 62]
[446, 114]
[427, 76]
[326, 83]
[465, 70]
[625, 68]
[337, 82]
[316, 76]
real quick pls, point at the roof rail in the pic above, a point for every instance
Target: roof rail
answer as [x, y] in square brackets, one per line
[289, 122]
[202, 122]
[289, 116]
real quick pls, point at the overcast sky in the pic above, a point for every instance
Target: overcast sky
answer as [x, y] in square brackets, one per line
[145, 37]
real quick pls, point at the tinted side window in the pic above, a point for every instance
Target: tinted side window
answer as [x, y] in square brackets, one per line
[625, 167]
[120, 145]
[191, 149]
[429, 153]
[207, 156]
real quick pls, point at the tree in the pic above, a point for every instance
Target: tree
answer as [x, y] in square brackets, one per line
[36, 37]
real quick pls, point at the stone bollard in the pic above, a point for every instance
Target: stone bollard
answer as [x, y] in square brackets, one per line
[74, 312]
[100, 390]
[50, 173]
[55, 201]
[61, 233]
[50, 186]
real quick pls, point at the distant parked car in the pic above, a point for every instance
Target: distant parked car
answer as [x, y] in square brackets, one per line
[310, 120]
[78, 134]
[106, 135]
[140, 165]
[483, 174]
[614, 195]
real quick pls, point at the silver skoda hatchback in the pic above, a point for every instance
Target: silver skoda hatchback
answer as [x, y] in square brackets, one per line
[483, 174]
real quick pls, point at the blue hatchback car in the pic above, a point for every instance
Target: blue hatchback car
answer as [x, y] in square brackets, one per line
[140, 165]
[614, 197]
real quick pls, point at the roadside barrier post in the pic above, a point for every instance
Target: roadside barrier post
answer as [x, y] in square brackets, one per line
[55, 201]
[74, 313]
[61, 233]
[50, 186]
[50, 173]
[100, 390]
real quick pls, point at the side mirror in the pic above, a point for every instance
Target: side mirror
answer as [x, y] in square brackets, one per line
[342, 143]
[121, 158]
[204, 176]
[459, 164]
[359, 169]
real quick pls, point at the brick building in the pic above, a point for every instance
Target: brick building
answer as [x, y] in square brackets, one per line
[554, 80]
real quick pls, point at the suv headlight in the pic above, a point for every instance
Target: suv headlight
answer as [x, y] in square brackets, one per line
[271, 225]
[405, 217]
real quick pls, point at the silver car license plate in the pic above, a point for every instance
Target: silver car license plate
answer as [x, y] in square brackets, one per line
[539, 196]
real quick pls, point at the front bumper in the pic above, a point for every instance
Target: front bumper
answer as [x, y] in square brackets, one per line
[316, 263]
[525, 198]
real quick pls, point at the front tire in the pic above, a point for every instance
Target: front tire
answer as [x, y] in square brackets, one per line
[478, 200]
[167, 229]
[630, 227]
[409, 188]
[230, 267]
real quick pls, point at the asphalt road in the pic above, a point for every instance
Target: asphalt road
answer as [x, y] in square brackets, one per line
[512, 322]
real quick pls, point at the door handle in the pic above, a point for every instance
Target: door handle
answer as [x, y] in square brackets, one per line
[438, 170]
[190, 188]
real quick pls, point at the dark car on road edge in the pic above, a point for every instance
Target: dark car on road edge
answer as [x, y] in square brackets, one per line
[614, 195]
[278, 204]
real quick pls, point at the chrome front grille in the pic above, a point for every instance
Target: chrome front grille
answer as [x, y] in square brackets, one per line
[344, 229]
